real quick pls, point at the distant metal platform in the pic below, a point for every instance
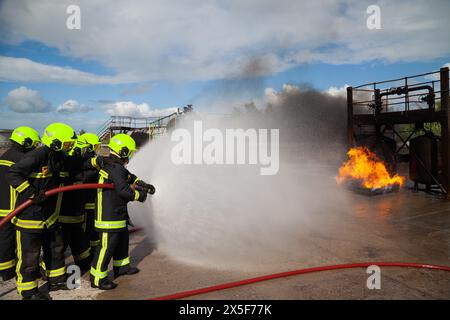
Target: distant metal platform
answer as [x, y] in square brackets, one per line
[378, 108]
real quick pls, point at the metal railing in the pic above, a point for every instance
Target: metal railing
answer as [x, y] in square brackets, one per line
[420, 91]
[135, 123]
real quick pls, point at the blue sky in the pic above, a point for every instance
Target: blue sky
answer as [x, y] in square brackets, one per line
[156, 57]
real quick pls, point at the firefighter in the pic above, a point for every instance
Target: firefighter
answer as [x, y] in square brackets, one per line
[71, 206]
[24, 139]
[37, 226]
[92, 144]
[112, 219]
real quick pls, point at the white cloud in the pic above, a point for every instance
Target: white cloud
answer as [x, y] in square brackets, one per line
[131, 109]
[25, 100]
[72, 106]
[21, 69]
[201, 40]
[338, 92]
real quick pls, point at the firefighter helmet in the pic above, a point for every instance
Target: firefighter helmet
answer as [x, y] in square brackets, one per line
[122, 145]
[91, 141]
[59, 137]
[26, 137]
[86, 143]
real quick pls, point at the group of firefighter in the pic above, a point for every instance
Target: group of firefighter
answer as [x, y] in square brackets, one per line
[92, 223]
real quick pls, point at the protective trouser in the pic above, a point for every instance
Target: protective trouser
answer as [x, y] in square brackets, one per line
[112, 245]
[75, 237]
[8, 251]
[28, 252]
[90, 228]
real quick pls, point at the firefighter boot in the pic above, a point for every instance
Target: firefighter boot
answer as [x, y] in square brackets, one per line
[55, 286]
[122, 271]
[38, 296]
[8, 274]
[104, 284]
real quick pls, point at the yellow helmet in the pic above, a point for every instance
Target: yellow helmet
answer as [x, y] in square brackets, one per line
[122, 145]
[91, 141]
[86, 143]
[26, 137]
[59, 137]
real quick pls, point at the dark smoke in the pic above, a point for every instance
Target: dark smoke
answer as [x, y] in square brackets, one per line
[312, 124]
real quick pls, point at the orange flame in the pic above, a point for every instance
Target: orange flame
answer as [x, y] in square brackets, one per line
[365, 166]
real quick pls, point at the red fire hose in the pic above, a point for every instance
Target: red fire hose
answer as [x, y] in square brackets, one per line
[191, 293]
[53, 192]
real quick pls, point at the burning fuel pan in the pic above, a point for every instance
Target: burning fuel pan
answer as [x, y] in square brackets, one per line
[366, 174]
[358, 188]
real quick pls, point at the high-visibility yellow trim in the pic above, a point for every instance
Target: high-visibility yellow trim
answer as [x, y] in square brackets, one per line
[23, 186]
[8, 264]
[104, 174]
[136, 195]
[19, 263]
[99, 275]
[12, 202]
[101, 180]
[110, 224]
[121, 263]
[71, 219]
[25, 286]
[53, 218]
[56, 272]
[94, 243]
[136, 180]
[28, 224]
[64, 174]
[22, 286]
[37, 224]
[99, 223]
[82, 255]
[39, 175]
[97, 272]
[94, 163]
[89, 206]
[12, 198]
[6, 163]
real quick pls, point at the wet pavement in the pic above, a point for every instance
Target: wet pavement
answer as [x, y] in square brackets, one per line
[396, 227]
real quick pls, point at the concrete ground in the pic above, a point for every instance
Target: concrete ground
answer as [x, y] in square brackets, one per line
[403, 226]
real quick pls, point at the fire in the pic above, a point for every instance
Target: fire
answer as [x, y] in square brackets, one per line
[365, 166]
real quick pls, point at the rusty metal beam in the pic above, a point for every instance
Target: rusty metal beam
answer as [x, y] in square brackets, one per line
[445, 129]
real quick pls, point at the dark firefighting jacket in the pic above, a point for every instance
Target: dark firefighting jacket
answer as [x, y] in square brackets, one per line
[111, 204]
[36, 172]
[91, 176]
[7, 193]
[76, 170]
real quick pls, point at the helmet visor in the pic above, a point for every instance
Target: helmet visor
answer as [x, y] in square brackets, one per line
[131, 154]
[35, 144]
[68, 145]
